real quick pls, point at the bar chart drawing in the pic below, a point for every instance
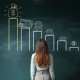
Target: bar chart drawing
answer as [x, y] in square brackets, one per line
[26, 24]
[33, 36]
[62, 39]
[21, 36]
[53, 40]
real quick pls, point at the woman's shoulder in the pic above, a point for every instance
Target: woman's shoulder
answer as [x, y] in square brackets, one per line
[33, 55]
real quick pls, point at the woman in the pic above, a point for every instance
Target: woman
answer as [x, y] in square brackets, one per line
[41, 67]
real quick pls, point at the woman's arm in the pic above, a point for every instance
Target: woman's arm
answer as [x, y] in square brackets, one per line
[51, 70]
[32, 68]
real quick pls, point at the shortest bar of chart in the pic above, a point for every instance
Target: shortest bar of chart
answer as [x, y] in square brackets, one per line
[73, 46]
[62, 39]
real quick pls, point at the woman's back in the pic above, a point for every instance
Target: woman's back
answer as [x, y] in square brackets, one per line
[35, 68]
[41, 67]
[42, 62]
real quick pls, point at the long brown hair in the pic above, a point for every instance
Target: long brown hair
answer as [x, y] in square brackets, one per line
[42, 53]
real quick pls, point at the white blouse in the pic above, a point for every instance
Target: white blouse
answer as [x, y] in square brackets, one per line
[34, 67]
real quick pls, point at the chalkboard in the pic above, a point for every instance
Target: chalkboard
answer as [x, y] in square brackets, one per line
[51, 20]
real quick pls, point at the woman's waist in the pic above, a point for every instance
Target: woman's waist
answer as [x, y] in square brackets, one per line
[42, 68]
[42, 71]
